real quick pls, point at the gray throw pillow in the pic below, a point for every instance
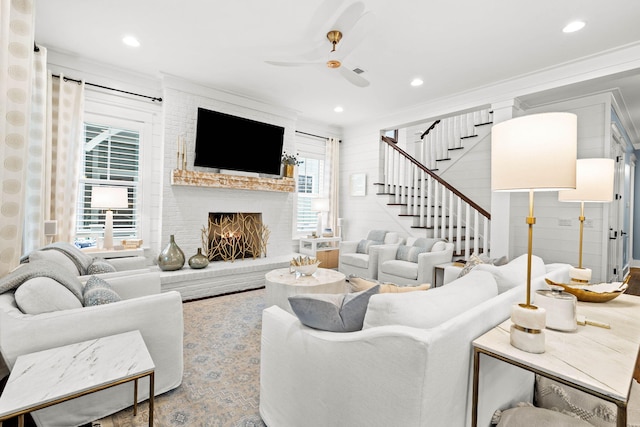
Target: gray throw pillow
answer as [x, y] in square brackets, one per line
[100, 266]
[333, 312]
[377, 235]
[364, 245]
[98, 291]
[44, 295]
[409, 253]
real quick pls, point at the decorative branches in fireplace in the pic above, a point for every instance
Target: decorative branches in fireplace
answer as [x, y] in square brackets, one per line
[229, 236]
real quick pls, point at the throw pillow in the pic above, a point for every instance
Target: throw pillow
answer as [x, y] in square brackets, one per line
[429, 309]
[529, 416]
[365, 245]
[332, 312]
[426, 242]
[100, 266]
[439, 246]
[474, 260]
[98, 291]
[358, 284]
[409, 253]
[514, 273]
[56, 257]
[44, 295]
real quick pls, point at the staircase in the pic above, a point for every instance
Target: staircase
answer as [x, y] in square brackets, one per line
[413, 185]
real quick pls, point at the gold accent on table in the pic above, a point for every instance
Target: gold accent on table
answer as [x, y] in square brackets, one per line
[218, 180]
[527, 330]
[579, 280]
[589, 296]
[230, 238]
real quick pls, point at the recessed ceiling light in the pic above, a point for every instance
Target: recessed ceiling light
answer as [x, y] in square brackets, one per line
[416, 82]
[131, 41]
[573, 26]
[338, 109]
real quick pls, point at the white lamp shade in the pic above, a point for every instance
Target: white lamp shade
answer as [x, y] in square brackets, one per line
[320, 205]
[536, 152]
[109, 198]
[594, 182]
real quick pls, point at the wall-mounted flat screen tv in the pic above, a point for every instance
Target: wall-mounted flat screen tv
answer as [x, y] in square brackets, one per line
[229, 142]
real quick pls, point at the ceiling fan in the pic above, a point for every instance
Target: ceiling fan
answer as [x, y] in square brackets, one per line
[352, 25]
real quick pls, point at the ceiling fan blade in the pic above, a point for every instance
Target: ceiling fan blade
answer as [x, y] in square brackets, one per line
[352, 77]
[351, 40]
[291, 63]
[321, 19]
[349, 17]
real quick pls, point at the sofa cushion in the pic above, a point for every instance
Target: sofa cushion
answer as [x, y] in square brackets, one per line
[100, 266]
[364, 245]
[43, 295]
[98, 291]
[426, 242]
[358, 284]
[377, 235]
[514, 273]
[428, 309]
[356, 260]
[332, 312]
[439, 246]
[55, 257]
[410, 253]
[529, 416]
[391, 237]
[400, 268]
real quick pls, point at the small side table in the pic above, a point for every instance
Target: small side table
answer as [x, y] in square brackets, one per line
[46, 378]
[438, 273]
[325, 249]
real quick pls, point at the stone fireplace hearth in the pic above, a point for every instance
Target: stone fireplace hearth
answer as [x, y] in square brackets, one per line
[235, 235]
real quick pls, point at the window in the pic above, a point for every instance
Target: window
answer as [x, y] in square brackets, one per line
[111, 157]
[311, 182]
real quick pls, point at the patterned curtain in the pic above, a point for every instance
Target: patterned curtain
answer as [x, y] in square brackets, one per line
[333, 157]
[16, 58]
[35, 214]
[65, 129]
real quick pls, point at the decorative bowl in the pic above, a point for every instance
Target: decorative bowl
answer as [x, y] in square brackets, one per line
[587, 295]
[307, 270]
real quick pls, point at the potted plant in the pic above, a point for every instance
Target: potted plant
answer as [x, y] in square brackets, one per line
[288, 162]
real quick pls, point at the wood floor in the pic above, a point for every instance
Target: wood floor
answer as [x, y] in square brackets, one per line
[634, 282]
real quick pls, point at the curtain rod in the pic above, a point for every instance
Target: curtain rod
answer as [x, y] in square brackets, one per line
[315, 136]
[153, 98]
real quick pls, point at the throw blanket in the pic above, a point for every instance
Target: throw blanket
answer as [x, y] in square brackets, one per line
[79, 258]
[41, 268]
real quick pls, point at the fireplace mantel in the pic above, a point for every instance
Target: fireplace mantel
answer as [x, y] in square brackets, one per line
[219, 180]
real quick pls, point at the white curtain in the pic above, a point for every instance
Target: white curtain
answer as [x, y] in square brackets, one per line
[16, 57]
[64, 133]
[35, 213]
[333, 158]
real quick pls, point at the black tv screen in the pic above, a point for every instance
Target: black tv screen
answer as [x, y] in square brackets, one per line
[229, 142]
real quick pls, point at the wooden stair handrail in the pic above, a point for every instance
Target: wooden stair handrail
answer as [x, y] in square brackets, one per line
[392, 143]
[426, 132]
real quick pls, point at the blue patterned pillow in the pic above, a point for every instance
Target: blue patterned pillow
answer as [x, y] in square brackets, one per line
[409, 253]
[99, 266]
[364, 245]
[97, 292]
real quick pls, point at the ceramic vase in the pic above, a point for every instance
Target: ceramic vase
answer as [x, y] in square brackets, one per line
[288, 171]
[198, 260]
[171, 258]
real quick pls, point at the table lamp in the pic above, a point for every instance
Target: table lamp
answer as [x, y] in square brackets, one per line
[594, 183]
[533, 153]
[320, 205]
[109, 198]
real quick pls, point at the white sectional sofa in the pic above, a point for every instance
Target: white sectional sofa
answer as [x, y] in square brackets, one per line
[158, 317]
[410, 365]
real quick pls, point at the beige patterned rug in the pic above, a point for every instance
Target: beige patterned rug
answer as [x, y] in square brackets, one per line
[220, 387]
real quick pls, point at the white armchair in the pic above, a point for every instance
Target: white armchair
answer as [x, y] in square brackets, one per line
[413, 264]
[360, 257]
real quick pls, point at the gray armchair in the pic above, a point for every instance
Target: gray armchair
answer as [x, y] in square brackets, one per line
[413, 264]
[360, 257]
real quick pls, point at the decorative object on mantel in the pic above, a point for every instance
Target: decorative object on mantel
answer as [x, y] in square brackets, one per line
[288, 163]
[171, 258]
[594, 183]
[181, 162]
[602, 292]
[198, 260]
[305, 266]
[230, 238]
[533, 153]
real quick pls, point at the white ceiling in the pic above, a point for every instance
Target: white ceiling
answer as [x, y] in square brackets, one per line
[454, 46]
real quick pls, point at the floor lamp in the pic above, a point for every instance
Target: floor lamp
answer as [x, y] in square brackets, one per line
[594, 183]
[533, 153]
[109, 198]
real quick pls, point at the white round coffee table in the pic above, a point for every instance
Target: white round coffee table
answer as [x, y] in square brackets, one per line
[281, 284]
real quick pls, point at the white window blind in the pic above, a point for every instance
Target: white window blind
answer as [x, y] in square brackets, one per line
[311, 181]
[111, 157]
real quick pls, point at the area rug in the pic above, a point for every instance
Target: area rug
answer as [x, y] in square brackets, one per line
[220, 386]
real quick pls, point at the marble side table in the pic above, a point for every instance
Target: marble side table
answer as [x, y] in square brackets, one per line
[49, 377]
[280, 285]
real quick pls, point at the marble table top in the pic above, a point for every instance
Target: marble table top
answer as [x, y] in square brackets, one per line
[49, 375]
[320, 277]
[599, 359]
